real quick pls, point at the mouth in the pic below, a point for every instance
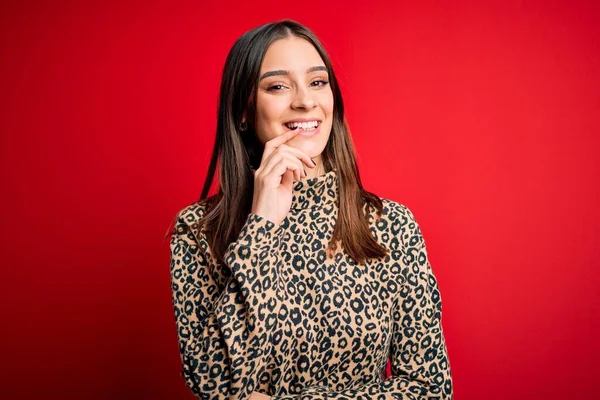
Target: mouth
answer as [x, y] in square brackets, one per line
[303, 125]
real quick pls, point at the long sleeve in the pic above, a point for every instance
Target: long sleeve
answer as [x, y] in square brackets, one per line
[224, 329]
[420, 364]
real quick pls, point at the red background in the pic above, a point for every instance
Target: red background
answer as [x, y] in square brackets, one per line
[481, 117]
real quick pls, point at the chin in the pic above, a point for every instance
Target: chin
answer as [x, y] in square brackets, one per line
[311, 149]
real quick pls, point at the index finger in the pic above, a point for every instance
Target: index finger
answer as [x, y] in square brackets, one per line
[277, 141]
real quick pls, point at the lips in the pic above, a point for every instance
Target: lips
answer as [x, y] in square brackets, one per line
[304, 124]
[306, 133]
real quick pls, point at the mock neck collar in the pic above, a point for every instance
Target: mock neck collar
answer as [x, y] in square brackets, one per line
[315, 192]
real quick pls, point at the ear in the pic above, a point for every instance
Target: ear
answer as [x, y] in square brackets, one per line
[243, 127]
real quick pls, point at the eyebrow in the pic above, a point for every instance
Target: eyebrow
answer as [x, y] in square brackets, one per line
[284, 72]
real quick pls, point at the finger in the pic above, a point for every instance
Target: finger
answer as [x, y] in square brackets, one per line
[282, 174]
[291, 153]
[294, 165]
[294, 160]
[277, 166]
[288, 159]
[274, 143]
[297, 153]
[288, 178]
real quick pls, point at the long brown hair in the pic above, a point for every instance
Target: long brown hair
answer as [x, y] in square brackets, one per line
[236, 153]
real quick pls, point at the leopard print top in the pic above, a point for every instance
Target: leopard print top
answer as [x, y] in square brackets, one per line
[282, 319]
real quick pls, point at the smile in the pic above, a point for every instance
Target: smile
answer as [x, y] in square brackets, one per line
[306, 128]
[303, 125]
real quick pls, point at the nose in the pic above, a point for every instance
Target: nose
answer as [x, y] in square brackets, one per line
[303, 99]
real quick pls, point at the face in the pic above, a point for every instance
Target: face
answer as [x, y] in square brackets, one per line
[294, 91]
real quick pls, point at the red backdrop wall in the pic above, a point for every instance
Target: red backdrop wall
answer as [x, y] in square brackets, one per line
[482, 117]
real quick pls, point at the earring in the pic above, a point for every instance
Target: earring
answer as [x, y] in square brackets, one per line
[244, 126]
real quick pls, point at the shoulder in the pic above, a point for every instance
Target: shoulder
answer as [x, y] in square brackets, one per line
[398, 212]
[187, 219]
[192, 213]
[396, 228]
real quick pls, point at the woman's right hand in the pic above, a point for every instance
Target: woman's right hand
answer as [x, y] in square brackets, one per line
[273, 180]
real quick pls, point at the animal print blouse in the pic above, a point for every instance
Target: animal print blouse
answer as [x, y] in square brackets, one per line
[279, 318]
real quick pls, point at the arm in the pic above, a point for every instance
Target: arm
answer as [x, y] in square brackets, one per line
[224, 334]
[420, 366]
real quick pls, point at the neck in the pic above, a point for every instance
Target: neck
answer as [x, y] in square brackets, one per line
[316, 171]
[317, 192]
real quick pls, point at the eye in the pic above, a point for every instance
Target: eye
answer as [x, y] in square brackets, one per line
[275, 87]
[320, 82]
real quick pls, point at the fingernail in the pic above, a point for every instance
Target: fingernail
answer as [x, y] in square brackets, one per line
[313, 162]
[304, 169]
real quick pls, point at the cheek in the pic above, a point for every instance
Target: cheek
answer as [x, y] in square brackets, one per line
[268, 117]
[328, 110]
[327, 104]
[262, 125]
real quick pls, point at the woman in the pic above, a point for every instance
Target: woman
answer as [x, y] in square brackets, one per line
[293, 281]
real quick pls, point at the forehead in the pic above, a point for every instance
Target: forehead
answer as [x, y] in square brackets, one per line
[291, 53]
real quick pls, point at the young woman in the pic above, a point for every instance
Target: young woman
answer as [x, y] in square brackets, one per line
[293, 281]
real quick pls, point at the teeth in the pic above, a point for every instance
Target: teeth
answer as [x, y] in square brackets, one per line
[303, 125]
